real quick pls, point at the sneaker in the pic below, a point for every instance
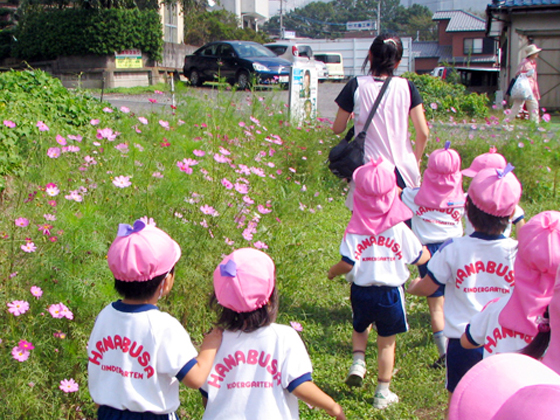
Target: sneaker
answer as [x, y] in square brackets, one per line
[356, 374]
[439, 363]
[382, 400]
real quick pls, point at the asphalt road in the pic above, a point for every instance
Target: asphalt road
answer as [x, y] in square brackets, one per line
[139, 103]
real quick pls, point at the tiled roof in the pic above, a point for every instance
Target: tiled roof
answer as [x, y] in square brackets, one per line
[431, 49]
[523, 3]
[460, 21]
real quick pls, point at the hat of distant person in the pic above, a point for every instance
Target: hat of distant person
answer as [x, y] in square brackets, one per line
[377, 205]
[535, 268]
[531, 49]
[142, 252]
[244, 280]
[495, 191]
[442, 182]
[490, 159]
[492, 388]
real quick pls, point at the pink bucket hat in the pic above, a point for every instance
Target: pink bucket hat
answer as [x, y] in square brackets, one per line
[532, 402]
[491, 159]
[488, 387]
[142, 252]
[552, 356]
[244, 280]
[377, 206]
[535, 272]
[496, 191]
[442, 182]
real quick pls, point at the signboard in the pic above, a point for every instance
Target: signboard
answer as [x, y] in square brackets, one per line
[304, 85]
[364, 25]
[129, 59]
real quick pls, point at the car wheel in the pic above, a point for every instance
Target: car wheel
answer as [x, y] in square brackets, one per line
[194, 77]
[243, 80]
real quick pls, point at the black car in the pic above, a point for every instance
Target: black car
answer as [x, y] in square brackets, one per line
[240, 62]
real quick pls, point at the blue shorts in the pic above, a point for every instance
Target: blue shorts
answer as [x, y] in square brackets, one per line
[382, 305]
[423, 269]
[104, 412]
[458, 361]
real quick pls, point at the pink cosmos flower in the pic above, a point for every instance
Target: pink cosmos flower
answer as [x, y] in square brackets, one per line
[262, 209]
[36, 291]
[224, 151]
[66, 313]
[107, 110]
[157, 175]
[143, 120]
[292, 170]
[52, 203]
[55, 311]
[71, 149]
[29, 247]
[247, 235]
[206, 209]
[20, 355]
[106, 133]
[152, 100]
[199, 153]
[164, 124]
[51, 189]
[60, 140]
[433, 105]
[122, 181]
[241, 124]
[42, 126]
[9, 124]
[243, 169]
[21, 222]
[158, 92]
[221, 158]
[226, 183]
[241, 188]
[546, 117]
[74, 196]
[94, 122]
[296, 326]
[258, 171]
[25, 345]
[122, 147]
[45, 228]
[53, 152]
[18, 307]
[184, 168]
[260, 245]
[124, 109]
[69, 385]
[229, 241]
[248, 200]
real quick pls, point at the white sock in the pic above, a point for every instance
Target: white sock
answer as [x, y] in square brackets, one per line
[359, 356]
[382, 387]
[441, 342]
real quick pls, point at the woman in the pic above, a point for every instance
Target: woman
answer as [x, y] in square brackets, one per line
[387, 135]
[528, 66]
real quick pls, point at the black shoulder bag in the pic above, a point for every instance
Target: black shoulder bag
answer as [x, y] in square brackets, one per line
[348, 154]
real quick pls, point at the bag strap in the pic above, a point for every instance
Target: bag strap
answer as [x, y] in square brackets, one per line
[376, 103]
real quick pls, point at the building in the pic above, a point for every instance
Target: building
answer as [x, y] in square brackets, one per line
[462, 41]
[250, 13]
[518, 23]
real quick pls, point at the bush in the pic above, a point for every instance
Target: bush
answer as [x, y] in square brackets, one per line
[441, 97]
[47, 34]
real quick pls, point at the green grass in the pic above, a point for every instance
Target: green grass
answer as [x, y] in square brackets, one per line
[302, 232]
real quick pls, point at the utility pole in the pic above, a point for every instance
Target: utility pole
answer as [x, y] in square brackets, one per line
[378, 17]
[281, 19]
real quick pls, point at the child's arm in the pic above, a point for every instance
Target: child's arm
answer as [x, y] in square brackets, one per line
[424, 287]
[425, 257]
[312, 395]
[340, 268]
[467, 344]
[198, 374]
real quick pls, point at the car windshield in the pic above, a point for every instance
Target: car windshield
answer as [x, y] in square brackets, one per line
[252, 50]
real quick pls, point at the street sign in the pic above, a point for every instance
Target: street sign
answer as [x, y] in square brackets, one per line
[364, 25]
[128, 59]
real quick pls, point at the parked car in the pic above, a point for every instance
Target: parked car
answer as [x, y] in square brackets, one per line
[442, 72]
[238, 62]
[334, 63]
[295, 51]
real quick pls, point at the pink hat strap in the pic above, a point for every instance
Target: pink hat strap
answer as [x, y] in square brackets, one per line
[126, 230]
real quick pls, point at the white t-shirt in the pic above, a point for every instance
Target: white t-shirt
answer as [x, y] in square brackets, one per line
[485, 329]
[431, 225]
[136, 355]
[254, 373]
[381, 260]
[475, 270]
[517, 216]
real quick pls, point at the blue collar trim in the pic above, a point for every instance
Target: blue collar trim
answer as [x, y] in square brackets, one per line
[487, 237]
[126, 307]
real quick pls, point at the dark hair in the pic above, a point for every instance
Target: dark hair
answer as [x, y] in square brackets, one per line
[385, 53]
[538, 346]
[484, 222]
[230, 320]
[140, 289]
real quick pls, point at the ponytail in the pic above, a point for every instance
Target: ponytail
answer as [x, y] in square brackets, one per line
[384, 55]
[537, 348]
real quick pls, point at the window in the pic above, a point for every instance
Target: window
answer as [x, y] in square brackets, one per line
[170, 24]
[472, 46]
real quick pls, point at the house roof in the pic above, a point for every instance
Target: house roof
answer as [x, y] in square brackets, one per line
[523, 3]
[431, 49]
[460, 21]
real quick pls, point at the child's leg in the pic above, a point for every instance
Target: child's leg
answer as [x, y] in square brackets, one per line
[358, 369]
[435, 305]
[385, 364]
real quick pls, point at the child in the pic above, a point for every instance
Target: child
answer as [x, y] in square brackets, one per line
[552, 356]
[475, 268]
[375, 250]
[509, 323]
[137, 354]
[492, 159]
[261, 367]
[438, 207]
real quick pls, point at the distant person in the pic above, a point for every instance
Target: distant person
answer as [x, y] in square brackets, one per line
[375, 251]
[261, 368]
[528, 66]
[387, 136]
[138, 355]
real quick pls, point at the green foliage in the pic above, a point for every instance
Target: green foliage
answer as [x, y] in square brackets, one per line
[218, 25]
[27, 97]
[47, 34]
[441, 97]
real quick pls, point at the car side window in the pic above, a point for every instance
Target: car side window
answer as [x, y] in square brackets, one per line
[305, 51]
[208, 51]
[277, 49]
[226, 50]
